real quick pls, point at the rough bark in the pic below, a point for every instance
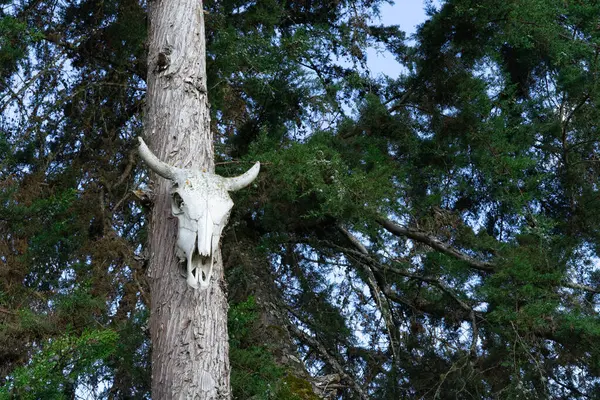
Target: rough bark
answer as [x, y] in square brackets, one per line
[188, 327]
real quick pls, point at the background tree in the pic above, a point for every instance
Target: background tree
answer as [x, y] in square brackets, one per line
[429, 235]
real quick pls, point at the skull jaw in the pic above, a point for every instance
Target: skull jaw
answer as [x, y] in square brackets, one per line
[196, 267]
[197, 244]
[199, 270]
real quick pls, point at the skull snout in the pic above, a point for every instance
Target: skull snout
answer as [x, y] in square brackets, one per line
[205, 232]
[195, 241]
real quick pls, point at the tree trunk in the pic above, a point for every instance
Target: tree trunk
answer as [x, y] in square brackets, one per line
[271, 328]
[188, 327]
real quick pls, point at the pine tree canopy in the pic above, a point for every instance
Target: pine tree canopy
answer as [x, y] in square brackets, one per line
[431, 235]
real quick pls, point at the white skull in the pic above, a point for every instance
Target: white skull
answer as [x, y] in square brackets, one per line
[201, 203]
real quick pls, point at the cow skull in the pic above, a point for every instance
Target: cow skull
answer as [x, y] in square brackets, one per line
[201, 202]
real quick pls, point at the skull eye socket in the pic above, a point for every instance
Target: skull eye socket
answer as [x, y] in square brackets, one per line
[177, 203]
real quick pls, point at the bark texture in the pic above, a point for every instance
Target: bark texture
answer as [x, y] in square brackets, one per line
[188, 327]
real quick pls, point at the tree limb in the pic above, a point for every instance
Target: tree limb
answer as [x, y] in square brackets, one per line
[444, 248]
[330, 359]
[581, 287]
[434, 243]
[379, 297]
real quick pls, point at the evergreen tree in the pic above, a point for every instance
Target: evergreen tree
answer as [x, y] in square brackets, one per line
[428, 235]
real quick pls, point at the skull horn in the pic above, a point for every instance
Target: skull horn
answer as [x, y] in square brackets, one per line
[161, 168]
[240, 182]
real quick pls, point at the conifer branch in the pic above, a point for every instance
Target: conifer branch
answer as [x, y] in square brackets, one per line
[444, 248]
[378, 296]
[434, 243]
[331, 360]
[579, 286]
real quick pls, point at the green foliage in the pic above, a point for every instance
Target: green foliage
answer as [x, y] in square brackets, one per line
[15, 36]
[254, 373]
[62, 363]
[484, 150]
[315, 183]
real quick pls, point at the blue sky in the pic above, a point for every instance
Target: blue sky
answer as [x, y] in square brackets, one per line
[406, 13]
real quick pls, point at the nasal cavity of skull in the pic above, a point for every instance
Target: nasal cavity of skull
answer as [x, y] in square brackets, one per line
[177, 203]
